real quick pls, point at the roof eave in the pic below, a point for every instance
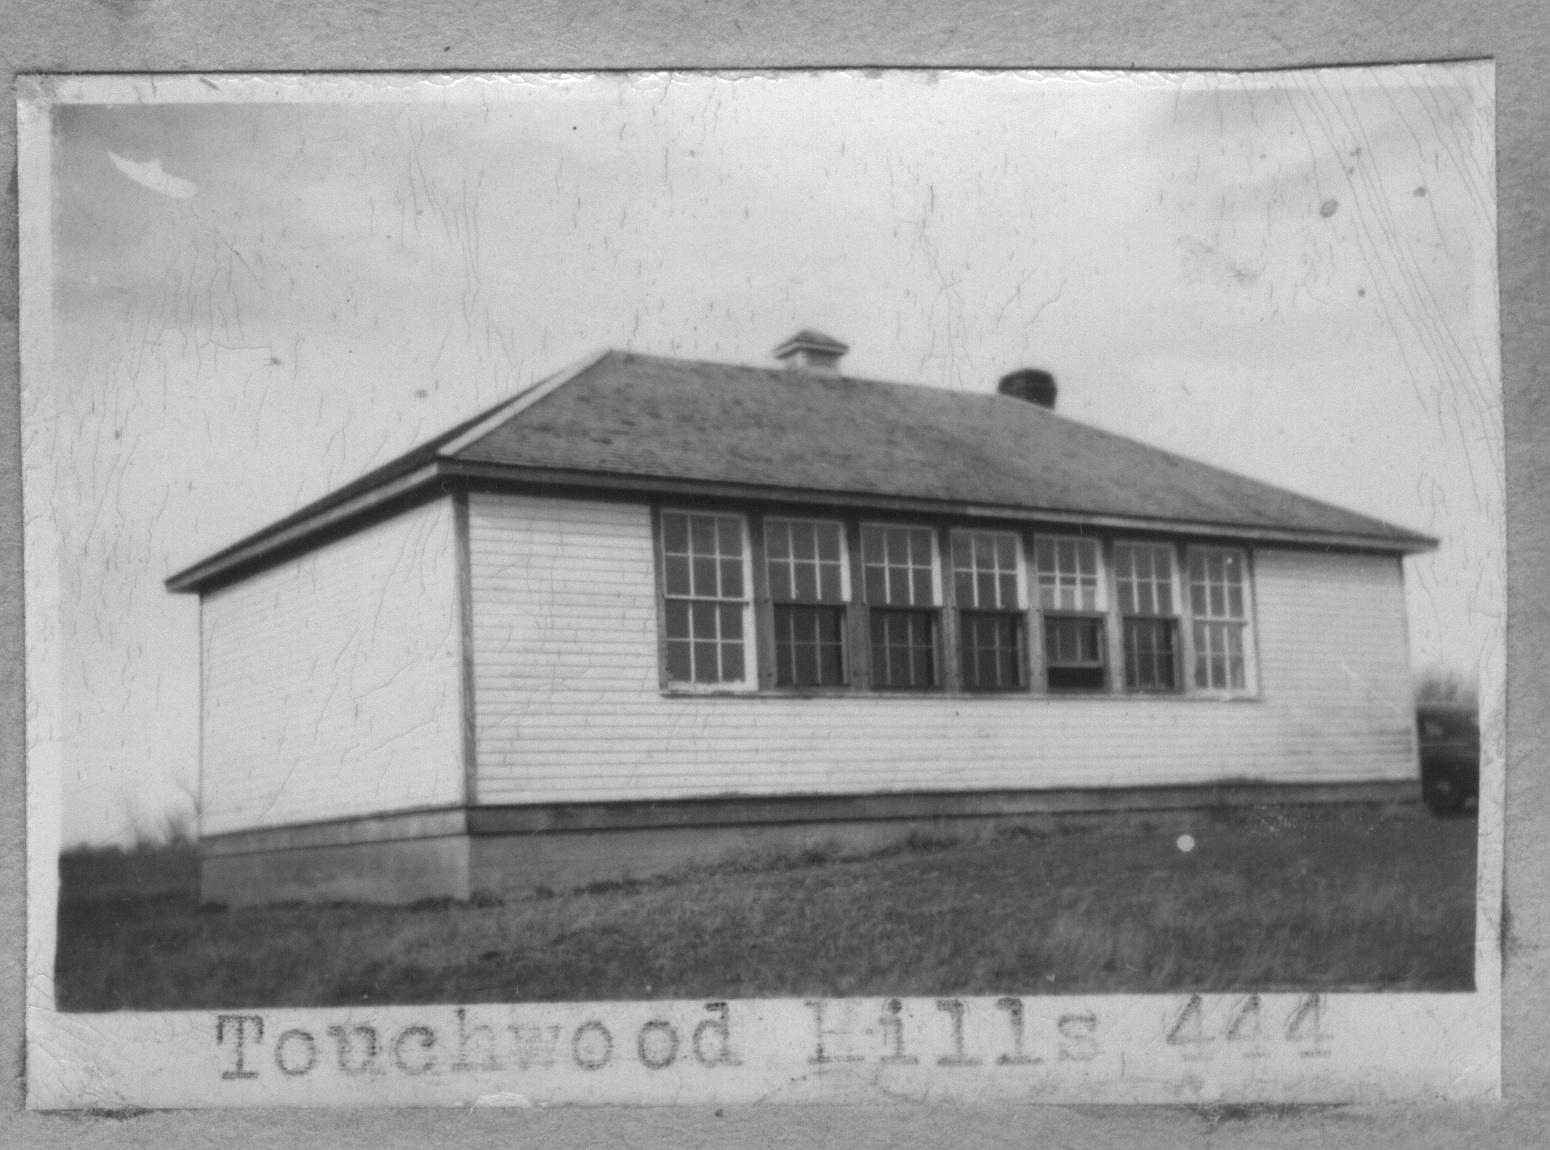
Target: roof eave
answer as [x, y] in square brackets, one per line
[1398, 542]
[255, 550]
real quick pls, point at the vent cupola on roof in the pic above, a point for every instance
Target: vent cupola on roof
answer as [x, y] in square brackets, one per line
[811, 350]
[1030, 385]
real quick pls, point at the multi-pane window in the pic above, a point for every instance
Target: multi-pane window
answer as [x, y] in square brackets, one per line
[1143, 577]
[1142, 617]
[705, 597]
[1219, 605]
[990, 620]
[805, 562]
[899, 566]
[1075, 644]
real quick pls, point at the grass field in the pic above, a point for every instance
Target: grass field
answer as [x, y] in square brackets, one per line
[1263, 902]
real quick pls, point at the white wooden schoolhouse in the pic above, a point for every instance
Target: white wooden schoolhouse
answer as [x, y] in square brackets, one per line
[652, 611]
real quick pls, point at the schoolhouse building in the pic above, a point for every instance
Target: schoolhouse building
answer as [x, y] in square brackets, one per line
[652, 611]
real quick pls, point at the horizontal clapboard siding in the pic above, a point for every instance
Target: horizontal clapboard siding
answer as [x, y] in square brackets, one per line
[331, 682]
[569, 706]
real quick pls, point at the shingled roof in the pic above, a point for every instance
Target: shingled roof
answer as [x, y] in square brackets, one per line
[647, 422]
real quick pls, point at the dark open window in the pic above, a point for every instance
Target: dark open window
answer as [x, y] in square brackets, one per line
[805, 562]
[900, 571]
[1073, 653]
[1068, 569]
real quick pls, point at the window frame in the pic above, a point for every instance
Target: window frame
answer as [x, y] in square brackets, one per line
[1182, 668]
[935, 612]
[949, 620]
[1018, 611]
[1248, 625]
[769, 607]
[1100, 613]
[752, 647]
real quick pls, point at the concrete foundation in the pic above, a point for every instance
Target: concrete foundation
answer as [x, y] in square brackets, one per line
[517, 851]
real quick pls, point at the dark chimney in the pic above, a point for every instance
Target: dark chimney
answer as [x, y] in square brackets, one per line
[811, 350]
[1030, 385]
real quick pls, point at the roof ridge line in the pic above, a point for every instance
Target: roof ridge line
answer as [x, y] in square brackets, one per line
[517, 404]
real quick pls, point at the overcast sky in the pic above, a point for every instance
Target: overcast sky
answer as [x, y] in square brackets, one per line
[1289, 275]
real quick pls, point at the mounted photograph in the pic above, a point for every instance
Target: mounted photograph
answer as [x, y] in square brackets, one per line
[701, 538]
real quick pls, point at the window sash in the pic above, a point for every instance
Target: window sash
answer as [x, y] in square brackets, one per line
[1070, 573]
[1151, 654]
[706, 642]
[809, 645]
[903, 648]
[898, 565]
[987, 570]
[703, 556]
[1218, 584]
[991, 650]
[1220, 660]
[1143, 578]
[805, 560]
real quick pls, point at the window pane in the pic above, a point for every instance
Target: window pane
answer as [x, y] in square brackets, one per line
[780, 581]
[872, 544]
[963, 551]
[785, 676]
[802, 543]
[731, 622]
[679, 669]
[702, 534]
[829, 542]
[731, 662]
[831, 586]
[921, 579]
[730, 531]
[877, 584]
[777, 538]
[805, 585]
[677, 574]
[963, 589]
[707, 668]
[675, 532]
[704, 577]
[898, 550]
[731, 578]
[677, 620]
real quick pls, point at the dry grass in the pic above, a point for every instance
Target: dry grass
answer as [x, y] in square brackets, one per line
[1323, 903]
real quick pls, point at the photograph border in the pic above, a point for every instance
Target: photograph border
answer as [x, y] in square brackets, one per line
[1520, 294]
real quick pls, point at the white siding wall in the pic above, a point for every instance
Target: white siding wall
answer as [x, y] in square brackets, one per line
[569, 709]
[331, 682]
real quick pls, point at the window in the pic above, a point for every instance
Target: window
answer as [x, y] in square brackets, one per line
[899, 566]
[705, 598]
[1219, 606]
[990, 619]
[1071, 597]
[1143, 577]
[805, 563]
